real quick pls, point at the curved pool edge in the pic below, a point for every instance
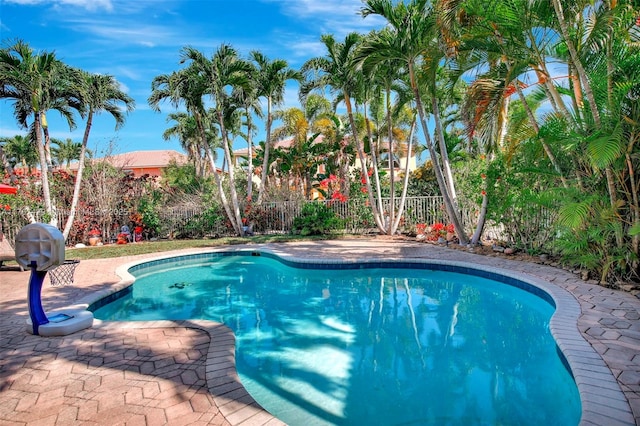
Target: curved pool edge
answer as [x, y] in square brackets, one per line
[223, 383]
[590, 372]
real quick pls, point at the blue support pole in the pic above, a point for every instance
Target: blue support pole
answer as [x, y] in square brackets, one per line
[36, 313]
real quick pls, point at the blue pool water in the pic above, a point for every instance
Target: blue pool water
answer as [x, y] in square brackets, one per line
[375, 346]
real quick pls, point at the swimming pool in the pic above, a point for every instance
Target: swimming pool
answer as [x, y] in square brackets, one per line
[352, 342]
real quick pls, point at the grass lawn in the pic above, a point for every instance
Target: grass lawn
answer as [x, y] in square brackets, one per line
[118, 250]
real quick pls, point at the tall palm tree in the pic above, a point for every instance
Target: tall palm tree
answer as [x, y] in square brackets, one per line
[270, 81]
[336, 70]
[34, 82]
[187, 87]
[413, 29]
[224, 69]
[102, 94]
[389, 76]
[247, 97]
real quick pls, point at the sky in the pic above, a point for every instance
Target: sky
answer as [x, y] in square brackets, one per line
[137, 40]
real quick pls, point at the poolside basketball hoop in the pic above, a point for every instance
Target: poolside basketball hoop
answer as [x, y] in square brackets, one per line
[63, 274]
[40, 247]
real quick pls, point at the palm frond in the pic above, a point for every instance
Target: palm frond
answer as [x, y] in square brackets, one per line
[605, 148]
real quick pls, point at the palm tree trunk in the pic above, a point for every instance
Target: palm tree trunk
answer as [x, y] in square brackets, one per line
[503, 121]
[403, 197]
[543, 76]
[635, 243]
[47, 140]
[44, 172]
[611, 186]
[482, 216]
[584, 79]
[223, 196]
[233, 194]
[392, 176]
[578, 101]
[447, 199]
[249, 156]
[536, 128]
[444, 154]
[78, 180]
[267, 146]
[214, 170]
[374, 208]
[374, 160]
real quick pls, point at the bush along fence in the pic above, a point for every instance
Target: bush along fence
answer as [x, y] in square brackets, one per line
[354, 216]
[278, 218]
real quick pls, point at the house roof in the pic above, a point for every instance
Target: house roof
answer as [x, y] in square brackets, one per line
[147, 159]
[283, 143]
[143, 159]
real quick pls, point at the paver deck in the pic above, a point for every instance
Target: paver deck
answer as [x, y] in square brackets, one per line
[183, 372]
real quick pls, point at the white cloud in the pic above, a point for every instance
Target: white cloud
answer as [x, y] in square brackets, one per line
[306, 49]
[92, 5]
[144, 35]
[306, 8]
[338, 17]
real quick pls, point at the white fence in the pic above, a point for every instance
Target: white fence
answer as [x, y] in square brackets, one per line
[277, 217]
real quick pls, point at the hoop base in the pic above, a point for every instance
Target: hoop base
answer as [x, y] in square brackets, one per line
[68, 321]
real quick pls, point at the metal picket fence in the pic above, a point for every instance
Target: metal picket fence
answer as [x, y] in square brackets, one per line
[277, 217]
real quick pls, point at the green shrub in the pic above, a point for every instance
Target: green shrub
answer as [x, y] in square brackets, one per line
[207, 223]
[316, 219]
[149, 211]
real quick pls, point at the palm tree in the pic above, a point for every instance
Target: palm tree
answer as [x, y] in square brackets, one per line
[295, 127]
[247, 97]
[188, 87]
[576, 60]
[413, 29]
[270, 81]
[336, 70]
[36, 83]
[64, 96]
[224, 69]
[65, 151]
[390, 79]
[102, 94]
[186, 130]
[20, 151]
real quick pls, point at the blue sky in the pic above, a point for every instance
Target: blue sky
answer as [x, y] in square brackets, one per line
[136, 40]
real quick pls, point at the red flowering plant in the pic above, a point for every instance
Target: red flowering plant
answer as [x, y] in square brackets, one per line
[363, 180]
[330, 189]
[439, 230]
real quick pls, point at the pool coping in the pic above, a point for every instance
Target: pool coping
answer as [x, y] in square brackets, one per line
[599, 390]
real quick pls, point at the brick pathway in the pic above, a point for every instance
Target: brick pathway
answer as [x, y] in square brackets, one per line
[182, 372]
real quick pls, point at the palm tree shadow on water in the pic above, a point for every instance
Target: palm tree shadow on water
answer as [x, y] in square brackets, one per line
[414, 356]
